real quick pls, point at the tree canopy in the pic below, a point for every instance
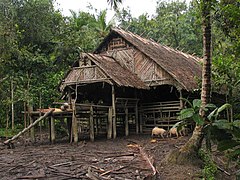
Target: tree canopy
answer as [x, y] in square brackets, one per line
[39, 43]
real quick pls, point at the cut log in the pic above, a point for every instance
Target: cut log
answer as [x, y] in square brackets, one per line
[29, 127]
[149, 161]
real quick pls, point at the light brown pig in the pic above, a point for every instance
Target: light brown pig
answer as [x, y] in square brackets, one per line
[173, 131]
[159, 131]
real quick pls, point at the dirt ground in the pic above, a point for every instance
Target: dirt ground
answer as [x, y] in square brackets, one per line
[122, 158]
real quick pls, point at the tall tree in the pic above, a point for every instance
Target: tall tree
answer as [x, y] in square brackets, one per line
[190, 149]
[114, 3]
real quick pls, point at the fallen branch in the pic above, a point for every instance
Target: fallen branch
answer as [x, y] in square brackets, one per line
[112, 170]
[120, 155]
[98, 169]
[227, 173]
[56, 171]
[62, 164]
[149, 161]
[29, 127]
[32, 177]
[91, 175]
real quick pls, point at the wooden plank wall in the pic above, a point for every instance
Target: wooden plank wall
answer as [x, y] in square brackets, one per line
[124, 57]
[99, 115]
[146, 69]
[161, 114]
[150, 72]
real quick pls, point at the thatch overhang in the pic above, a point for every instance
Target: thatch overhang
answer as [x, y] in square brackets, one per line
[103, 69]
[184, 68]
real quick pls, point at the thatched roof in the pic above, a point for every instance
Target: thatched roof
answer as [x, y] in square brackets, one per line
[119, 74]
[115, 73]
[184, 68]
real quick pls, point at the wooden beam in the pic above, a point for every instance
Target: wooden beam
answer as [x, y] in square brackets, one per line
[74, 124]
[29, 127]
[91, 124]
[110, 124]
[114, 113]
[53, 135]
[87, 81]
[126, 122]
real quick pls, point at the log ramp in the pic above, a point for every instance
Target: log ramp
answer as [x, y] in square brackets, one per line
[9, 141]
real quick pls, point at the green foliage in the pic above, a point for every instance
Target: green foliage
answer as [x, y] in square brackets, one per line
[192, 113]
[210, 169]
[176, 24]
[37, 46]
[9, 132]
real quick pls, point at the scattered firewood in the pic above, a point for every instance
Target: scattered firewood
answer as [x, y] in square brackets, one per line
[91, 175]
[98, 169]
[119, 155]
[62, 164]
[227, 173]
[113, 170]
[33, 177]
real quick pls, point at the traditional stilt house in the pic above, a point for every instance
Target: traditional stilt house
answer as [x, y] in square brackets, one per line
[128, 85]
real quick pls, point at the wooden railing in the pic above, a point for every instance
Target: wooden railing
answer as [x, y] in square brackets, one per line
[161, 114]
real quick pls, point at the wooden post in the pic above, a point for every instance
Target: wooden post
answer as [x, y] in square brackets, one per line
[110, 123]
[141, 124]
[69, 125]
[69, 98]
[52, 124]
[96, 122]
[136, 118]
[114, 113]
[91, 123]
[181, 100]
[74, 124]
[126, 122]
[32, 132]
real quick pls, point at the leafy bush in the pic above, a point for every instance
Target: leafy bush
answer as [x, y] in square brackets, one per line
[210, 168]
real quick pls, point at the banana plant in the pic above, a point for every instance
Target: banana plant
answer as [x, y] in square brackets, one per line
[192, 113]
[222, 131]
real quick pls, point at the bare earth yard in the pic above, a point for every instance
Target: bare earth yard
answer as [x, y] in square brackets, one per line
[123, 158]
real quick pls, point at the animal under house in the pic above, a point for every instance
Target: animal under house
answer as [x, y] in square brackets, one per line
[128, 85]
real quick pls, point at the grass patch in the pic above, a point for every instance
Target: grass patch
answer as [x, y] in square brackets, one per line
[8, 132]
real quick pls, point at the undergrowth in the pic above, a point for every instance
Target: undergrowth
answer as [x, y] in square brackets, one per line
[210, 169]
[8, 132]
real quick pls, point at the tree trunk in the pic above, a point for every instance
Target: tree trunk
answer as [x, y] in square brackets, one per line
[188, 153]
[12, 104]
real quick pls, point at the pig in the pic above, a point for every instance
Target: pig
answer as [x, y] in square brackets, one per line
[184, 131]
[159, 131]
[173, 131]
[64, 107]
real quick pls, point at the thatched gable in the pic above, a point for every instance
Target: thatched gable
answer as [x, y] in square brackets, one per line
[183, 68]
[101, 68]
